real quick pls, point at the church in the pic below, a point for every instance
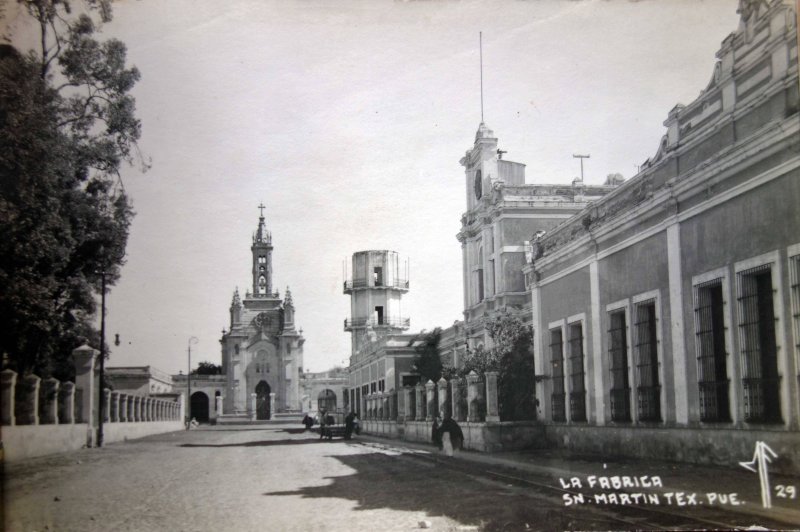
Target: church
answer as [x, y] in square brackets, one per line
[262, 352]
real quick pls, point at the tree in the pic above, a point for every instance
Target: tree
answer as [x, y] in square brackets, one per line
[207, 368]
[513, 349]
[428, 362]
[67, 125]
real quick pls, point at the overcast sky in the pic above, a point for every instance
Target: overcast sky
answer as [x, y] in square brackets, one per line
[348, 119]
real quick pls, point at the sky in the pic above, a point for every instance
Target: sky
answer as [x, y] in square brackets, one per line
[347, 120]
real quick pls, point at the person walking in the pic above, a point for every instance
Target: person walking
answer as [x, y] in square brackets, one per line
[349, 425]
[450, 435]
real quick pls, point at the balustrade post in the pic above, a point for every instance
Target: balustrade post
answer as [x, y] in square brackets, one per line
[392, 405]
[251, 407]
[28, 400]
[113, 409]
[85, 358]
[8, 389]
[474, 398]
[492, 411]
[402, 405]
[420, 400]
[107, 403]
[430, 400]
[48, 401]
[444, 403]
[410, 393]
[271, 405]
[218, 400]
[66, 403]
[124, 407]
[455, 404]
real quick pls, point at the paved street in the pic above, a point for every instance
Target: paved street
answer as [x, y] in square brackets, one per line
[280, 478]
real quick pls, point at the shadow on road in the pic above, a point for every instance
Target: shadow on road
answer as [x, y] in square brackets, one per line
[261, 443]
[397, 483]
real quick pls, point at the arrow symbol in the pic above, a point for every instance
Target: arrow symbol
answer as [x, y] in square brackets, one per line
[762, 456]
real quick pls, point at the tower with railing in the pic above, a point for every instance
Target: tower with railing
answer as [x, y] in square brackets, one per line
[376, 284]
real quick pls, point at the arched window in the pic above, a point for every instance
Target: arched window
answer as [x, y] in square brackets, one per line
[262, 285]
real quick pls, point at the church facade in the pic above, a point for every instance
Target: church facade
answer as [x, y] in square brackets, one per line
[262, 352]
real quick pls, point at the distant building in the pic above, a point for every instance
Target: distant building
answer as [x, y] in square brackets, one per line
[142, 380]
[503, 211]
[381, 356]
[666, 314]
[262, 353]
[324, 390]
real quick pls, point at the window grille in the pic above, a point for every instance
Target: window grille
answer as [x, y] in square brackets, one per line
[758, 346]
[618, 354]
[712, 368]
[794, 279]
[557, 364]
[648, 390]
[577, 393]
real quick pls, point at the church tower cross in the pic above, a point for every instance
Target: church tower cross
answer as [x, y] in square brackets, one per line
[262, 258]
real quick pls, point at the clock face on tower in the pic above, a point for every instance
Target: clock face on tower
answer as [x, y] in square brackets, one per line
[478, 185]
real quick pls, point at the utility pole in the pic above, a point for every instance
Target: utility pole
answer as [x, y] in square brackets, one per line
[102, 393]
[581, 157]
[192, 340]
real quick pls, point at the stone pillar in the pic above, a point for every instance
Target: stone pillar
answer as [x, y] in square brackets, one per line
[251, 407]
[85, 358]
[474, 399]
[138, 403]
[392, 405]
[444, 403]
[66, 403]
[8, 386]
[125, 408]
[455, 404]
[218, 400]
[49, 402]
[27, 406]
[420, 400]
[380, 403]
[107, 406]
[410, 394]
[114, 407]
[402, 405]
[271, 405]
[150, 409]
[492, 411]
[430, 400]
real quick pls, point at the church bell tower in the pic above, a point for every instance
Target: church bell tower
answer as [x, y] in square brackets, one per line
[262, 258]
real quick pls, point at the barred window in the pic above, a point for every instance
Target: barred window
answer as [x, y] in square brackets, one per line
[794, 278]
[618, 355]
[577, 393]
[712, 368]
[758, 346]
[648, 390]
[557, 364]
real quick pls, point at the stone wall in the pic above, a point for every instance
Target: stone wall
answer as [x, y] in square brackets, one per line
[41, 417]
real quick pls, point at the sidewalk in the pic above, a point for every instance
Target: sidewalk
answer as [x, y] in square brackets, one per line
[709, 483]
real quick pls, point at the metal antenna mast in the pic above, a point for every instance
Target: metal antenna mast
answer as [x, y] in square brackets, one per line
[581, 157]
[480, 45]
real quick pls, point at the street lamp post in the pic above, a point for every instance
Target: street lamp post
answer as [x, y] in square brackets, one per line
[101, 406]
[192, 340]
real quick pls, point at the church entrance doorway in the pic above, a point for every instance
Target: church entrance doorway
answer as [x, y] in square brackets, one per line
[199, 407]
[326, 401]
[262, 400]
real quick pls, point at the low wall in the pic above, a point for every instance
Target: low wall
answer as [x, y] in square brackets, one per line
[115, 432]
[478, 436]
[28, 441]
[707, 445]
